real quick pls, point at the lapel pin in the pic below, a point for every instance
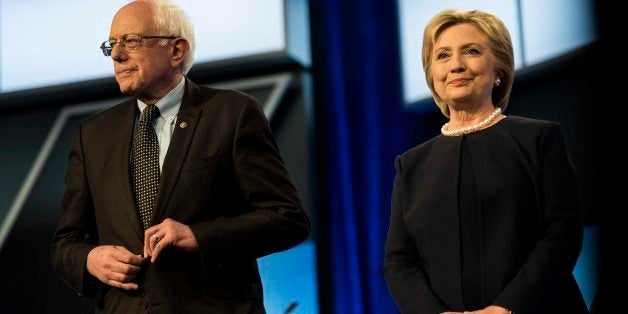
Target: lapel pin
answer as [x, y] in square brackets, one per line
[183, 125]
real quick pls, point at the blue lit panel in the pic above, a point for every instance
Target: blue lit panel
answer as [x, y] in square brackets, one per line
[289, 280]
[586, 270]
[552, 28]
[54, 42]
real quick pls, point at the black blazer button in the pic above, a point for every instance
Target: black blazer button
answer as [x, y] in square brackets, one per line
[144, 304]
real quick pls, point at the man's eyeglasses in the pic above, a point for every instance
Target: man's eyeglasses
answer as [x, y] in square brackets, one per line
[128, 42]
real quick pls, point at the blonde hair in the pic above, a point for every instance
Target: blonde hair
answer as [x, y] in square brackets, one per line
[498, 40]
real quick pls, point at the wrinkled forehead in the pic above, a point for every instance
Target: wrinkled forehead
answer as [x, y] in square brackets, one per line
[134, 18]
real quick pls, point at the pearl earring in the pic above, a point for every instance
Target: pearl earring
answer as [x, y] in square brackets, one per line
[497, 82]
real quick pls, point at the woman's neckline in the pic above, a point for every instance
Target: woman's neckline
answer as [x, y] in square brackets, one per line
[478, 131]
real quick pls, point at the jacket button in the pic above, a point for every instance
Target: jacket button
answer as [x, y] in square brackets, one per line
[143, 304]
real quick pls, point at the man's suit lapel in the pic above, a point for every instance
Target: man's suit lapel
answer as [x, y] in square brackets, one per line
[187, 120]
[123, 137]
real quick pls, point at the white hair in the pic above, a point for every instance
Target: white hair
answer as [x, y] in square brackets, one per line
[171, 19]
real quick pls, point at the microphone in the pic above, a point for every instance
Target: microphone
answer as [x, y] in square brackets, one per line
[291, 307]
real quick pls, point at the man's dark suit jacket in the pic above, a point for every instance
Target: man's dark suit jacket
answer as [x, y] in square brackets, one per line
[530, 222]
[222, 176]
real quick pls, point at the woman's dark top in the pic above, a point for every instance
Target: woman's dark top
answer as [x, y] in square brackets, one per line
[520, 249]
[469, 216]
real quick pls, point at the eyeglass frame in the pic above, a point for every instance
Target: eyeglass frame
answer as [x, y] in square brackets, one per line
[107, 50]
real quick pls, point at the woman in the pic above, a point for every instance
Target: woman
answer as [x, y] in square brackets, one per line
[485, 216]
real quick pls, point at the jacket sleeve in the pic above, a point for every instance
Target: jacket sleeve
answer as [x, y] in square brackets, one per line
[274, 219]
[555, 254]
[406, 279]
[76, 233]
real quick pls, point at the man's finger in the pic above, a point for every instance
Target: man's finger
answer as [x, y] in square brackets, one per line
[147, 238]
[124, 268]
[123, 286]
[154, 239]
[147, 249]
[121, 277]
[123, 255]
[160, 246]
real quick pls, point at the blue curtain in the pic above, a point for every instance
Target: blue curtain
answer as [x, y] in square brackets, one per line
[361, 130]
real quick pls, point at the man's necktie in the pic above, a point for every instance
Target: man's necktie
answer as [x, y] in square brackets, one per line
[145, 165]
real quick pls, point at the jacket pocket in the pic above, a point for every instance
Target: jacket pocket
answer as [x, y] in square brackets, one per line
[202, 163]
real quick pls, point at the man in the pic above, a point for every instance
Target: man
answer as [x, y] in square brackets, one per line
[171, 196]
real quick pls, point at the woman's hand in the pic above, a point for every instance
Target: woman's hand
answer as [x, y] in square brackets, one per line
[493, 309]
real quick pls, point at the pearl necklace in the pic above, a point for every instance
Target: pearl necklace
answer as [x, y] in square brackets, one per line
[484, 123]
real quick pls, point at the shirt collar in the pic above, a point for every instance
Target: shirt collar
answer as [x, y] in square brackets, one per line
[169, 104]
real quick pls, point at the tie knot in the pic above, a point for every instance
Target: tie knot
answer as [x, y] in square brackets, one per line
[150, 113]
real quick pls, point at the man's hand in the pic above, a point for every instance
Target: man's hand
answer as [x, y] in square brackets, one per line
[114, 265]
[168, 233]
